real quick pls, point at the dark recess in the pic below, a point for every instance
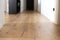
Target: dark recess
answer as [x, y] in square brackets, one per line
[14, 6]
[30, 4]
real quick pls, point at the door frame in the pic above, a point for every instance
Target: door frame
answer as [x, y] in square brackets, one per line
[35, 5]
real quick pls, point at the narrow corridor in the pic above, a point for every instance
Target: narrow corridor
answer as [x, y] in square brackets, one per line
[29, 25]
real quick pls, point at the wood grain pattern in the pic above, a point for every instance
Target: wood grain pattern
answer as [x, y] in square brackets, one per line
[29, 26]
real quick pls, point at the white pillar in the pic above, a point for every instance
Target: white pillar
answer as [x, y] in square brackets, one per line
[2, 9]
[58, 12]
[36, 5]
[39, 6]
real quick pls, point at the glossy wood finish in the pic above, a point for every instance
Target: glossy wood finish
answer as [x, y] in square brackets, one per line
[29, 26]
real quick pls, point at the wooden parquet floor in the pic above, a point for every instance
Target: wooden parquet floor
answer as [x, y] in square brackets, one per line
[29, 25]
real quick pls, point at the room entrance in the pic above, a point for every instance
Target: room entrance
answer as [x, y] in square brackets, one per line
[30, 4]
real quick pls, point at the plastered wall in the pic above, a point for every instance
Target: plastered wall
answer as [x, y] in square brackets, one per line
[47, 10]
[58, 11]
[39, 6]
[2, 15]
[23, 5]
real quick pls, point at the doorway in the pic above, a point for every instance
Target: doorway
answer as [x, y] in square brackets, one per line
[30, 4]
[14, 6]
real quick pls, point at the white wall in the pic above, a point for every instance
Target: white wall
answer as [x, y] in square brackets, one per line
[36, 5]
[47, 9]
[2, 9]
[7, 6]
[23, 5]
[39, 5]
[58, 11]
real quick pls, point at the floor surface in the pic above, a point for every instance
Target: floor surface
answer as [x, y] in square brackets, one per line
[29, 26]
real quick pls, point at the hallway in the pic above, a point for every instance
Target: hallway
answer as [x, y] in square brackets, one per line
[29, 25]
